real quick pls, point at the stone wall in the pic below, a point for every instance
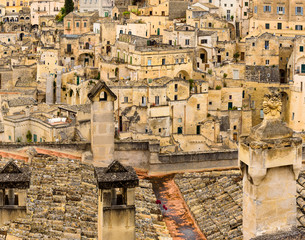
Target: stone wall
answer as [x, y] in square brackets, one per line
[262, 74]
[79, 146]
[181, 162]
[177, 9]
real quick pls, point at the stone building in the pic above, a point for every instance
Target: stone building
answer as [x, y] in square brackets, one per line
[262, 51]
[43, 8]
[14, 6]
[146, 59]
[296, 71]
[103, 7]
[79, 50]
[279, 17]
[79, 23]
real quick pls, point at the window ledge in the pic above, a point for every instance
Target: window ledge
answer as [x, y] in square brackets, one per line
[13, 207]
[119, 207]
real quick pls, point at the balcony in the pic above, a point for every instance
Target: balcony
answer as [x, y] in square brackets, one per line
[69, 51]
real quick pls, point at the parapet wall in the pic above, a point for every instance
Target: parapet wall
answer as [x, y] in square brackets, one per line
[146, 155]
[78, 146]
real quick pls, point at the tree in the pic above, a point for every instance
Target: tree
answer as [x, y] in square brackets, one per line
[60, 16]
[69, 6]
[29, 136]
[236, 56]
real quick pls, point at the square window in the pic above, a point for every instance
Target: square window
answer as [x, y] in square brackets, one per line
[267, 62]
[198, 106]
[267, 8]
[210, 103]
[299, 27]
[301, 49]
[179, 120]
[299, 11]
[176, 97]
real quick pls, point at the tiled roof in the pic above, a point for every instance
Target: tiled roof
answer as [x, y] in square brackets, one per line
[149, 224]
[62, 203]
[21, 101]
[215, 200]
[86, 108]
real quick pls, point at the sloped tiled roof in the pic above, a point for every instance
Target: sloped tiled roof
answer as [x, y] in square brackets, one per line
[21, 101]
[215, 201]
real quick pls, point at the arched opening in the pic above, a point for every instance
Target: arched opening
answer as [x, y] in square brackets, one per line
[86, 59]
[86, 45]
[183, 75]
[232, 31]
[203, 55]
[202, 59]
[21, 36]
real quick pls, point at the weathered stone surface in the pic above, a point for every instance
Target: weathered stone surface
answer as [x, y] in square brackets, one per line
[215, 201]
[61, 201]
[149, 224]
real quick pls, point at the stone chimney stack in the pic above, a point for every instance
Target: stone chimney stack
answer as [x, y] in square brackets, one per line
[270, 159]
[102, 124]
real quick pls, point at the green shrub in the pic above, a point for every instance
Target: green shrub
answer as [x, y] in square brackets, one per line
[29, 136]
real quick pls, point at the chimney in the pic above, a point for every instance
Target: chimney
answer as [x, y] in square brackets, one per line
[102, 124]
[270, 159]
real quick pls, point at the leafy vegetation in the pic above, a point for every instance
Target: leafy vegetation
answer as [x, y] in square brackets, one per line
[29, 136]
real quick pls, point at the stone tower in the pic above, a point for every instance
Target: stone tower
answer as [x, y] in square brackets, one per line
[270, 159]
[102, 124]
[116, 201]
